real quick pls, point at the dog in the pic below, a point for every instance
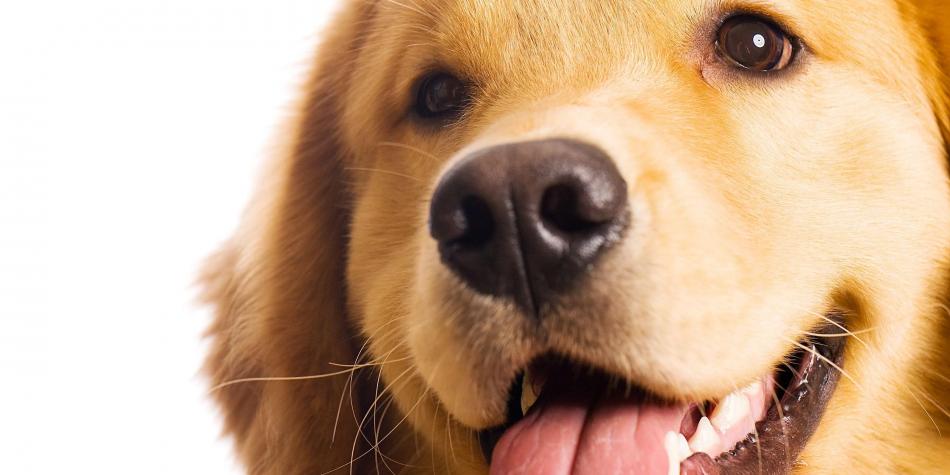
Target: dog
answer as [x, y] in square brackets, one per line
[600, 237]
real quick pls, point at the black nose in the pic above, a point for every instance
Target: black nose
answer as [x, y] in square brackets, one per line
[524, 220]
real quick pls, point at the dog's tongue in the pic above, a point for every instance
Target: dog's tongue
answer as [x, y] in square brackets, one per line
[573, 430]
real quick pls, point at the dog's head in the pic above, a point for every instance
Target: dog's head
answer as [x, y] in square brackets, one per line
[616, 217]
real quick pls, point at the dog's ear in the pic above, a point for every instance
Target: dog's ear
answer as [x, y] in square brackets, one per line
[933, 18]
[278, 293]
[934, 21]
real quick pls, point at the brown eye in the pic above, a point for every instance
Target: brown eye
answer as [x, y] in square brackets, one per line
[755, 43]
[441, 95]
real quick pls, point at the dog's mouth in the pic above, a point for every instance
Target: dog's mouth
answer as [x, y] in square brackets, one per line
[567, 418]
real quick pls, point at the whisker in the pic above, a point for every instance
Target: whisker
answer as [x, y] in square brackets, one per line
[826, 360]
[290, 378]
[410, 148]
[349, 381]
[841, 327]
[399, 443]
[781, 418]
[935, 372]
[339, 409]
[385, 360]
[353, 460]
[379, 416]
[794, 372]
[350, 369]
[387, 391]
[372, 410]
[758, 445]
[382, 417]
[935, 404]
[934, 422]
[448, 431]
[367, 365]
[386, 459]
[385, 172]
[835, 335]
[348, 389]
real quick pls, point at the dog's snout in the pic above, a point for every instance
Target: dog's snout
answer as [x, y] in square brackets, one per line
[524, 220]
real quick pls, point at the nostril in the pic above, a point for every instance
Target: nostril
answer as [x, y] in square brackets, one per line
[477, 223]
[561, 208]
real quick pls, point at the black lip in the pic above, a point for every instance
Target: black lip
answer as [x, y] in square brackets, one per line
[781, 435]
[489, 438]
[787, 427]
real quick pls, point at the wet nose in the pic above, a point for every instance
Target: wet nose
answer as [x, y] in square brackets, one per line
[525, 220]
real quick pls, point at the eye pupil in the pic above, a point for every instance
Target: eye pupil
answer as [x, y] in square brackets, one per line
[754, 43]
[441, 95]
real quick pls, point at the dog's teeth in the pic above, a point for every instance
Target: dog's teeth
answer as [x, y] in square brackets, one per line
[528, 396]
[705, 439]
[677, 450]
[672, 456]
[732, 409]
[753, 390]
[683, 445]
[757, 395]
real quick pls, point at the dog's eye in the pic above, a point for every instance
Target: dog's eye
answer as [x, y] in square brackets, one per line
[441, 95]
[755, 43]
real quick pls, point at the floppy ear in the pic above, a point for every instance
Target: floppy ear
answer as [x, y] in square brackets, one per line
[934, 20]
[278, 292]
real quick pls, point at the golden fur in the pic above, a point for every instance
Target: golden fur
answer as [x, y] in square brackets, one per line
[824, 188]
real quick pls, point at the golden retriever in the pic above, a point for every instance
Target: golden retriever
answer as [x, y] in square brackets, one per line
[600, 237]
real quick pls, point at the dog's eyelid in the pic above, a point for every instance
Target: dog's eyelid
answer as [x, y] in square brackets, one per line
[783, 19]
[440, 97]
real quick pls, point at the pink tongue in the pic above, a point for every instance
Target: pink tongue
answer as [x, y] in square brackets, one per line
[570, 432]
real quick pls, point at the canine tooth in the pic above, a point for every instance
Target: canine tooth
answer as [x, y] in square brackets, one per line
[669, 443]
[677, 450]
[730, 411]
[705, 440]
[753, 390]
[528, 396]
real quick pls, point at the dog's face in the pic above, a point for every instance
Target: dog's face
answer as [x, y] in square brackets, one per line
[631, 206]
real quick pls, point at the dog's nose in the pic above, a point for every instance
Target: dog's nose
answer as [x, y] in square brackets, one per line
[525, 220]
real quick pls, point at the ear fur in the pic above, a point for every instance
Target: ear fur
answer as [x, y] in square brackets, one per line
[278, 293]
[933, 18]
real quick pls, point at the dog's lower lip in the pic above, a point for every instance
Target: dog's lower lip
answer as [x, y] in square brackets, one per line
[489, 438]
[779, 438]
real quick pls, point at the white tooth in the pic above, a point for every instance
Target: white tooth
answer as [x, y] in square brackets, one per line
[682, 447]
[705, 439]
[753, 390]
[732, 409]
[673, 451]
[528, 396]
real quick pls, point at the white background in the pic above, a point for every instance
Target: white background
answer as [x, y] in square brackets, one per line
[130, 133]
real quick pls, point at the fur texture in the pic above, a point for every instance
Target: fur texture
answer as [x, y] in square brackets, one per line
[759, 204]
